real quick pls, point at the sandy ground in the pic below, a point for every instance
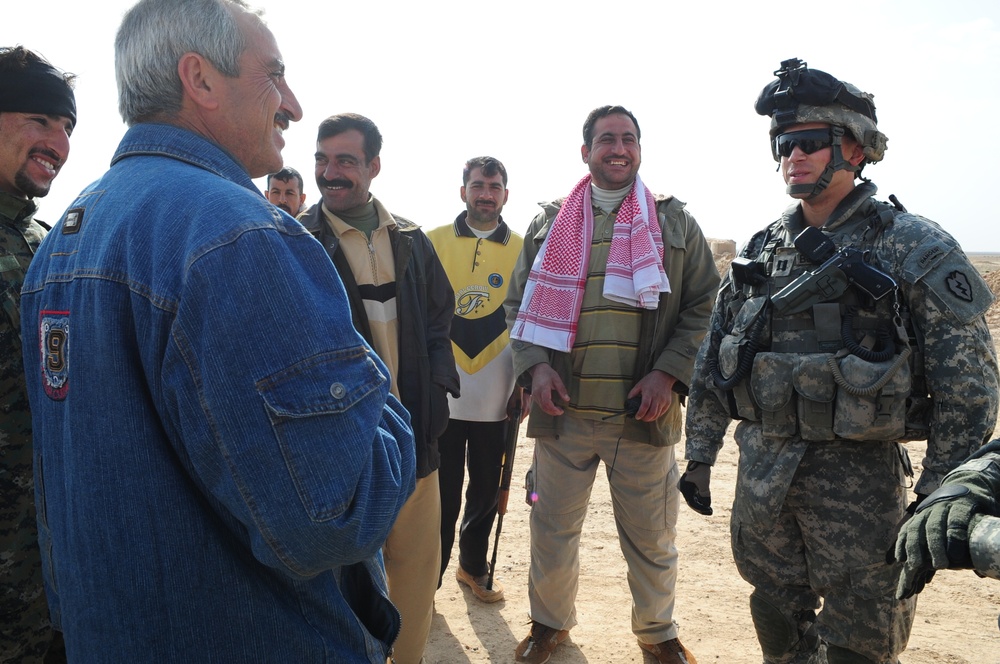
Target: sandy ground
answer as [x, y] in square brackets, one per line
[956, 620]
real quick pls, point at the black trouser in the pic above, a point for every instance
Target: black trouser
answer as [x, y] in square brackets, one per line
[485, 457]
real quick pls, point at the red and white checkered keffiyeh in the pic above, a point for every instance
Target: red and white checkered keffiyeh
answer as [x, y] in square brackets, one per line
[634, 275]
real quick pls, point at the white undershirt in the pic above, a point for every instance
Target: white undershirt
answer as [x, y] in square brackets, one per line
[607, 199]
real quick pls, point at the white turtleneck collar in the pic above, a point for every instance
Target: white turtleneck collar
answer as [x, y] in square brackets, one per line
[608, 199]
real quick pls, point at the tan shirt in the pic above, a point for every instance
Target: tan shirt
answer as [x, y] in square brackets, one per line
[374, 269]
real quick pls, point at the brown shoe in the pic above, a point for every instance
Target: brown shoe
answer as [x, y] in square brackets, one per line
[669, 652]
[537, 647]
[478, 586]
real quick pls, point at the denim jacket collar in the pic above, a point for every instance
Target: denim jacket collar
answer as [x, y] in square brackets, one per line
[183, 145]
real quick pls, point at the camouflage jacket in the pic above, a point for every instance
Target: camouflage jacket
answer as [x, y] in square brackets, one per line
[944, 299]
[984, 540]
[22, 603]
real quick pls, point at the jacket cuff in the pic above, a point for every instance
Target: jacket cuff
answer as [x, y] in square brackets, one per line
[695, 450]
[449, 384]
[677, 365]
[525, 356]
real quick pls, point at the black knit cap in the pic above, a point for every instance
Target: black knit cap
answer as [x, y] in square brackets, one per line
[38, 87]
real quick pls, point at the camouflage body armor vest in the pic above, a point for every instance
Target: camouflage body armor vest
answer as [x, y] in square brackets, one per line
[840, 367]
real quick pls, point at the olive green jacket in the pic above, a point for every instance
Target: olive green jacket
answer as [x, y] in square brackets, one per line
[669, 337]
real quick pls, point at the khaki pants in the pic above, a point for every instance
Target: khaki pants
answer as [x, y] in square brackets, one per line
[412, 560]
[644, 495]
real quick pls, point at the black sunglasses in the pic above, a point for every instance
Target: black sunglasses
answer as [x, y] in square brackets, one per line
[808, 140]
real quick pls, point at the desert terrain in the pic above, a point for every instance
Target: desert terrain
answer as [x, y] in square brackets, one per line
[956, 620]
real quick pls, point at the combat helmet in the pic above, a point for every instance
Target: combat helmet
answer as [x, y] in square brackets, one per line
[800, 95]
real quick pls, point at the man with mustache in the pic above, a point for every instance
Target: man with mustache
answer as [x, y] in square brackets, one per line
[606, 307]
[402, 303]
[37, 117]
[284, 189]
[478, 251]
[218, 456]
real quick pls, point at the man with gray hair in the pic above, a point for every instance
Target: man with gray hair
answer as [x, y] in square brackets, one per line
[210, 488]
[37, 117]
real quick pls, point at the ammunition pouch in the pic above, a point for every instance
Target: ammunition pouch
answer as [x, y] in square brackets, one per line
[824, 358]
[871, 397]
[822, 396]
[750, 333]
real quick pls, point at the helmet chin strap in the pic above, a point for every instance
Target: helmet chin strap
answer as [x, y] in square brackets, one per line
[836, 163]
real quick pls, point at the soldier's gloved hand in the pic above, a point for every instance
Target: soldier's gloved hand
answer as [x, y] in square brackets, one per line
[937, 537]
[911, 509]
[694, 486]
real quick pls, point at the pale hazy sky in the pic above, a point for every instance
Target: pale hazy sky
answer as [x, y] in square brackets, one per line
[446, 81]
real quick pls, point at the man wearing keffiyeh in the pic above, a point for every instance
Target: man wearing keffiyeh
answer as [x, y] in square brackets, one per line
[608, 302]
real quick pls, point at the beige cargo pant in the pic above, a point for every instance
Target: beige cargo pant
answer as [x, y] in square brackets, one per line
[643, 481]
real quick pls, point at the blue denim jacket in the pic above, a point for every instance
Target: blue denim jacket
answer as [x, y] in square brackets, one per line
[217, 455]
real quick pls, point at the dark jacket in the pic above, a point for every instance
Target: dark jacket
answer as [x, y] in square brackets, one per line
[426, 304]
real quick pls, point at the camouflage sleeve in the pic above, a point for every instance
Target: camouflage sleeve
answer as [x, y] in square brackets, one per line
[984, 545]
[984, 540]
[707, 417]
[25, 621]
[947, 299]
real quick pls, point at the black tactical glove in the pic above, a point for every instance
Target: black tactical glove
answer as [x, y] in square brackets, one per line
[937, 537]
[694, 486]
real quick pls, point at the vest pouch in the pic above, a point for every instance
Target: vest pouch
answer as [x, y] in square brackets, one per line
[771, 386]
[865, 411]
[729, 350]
[737, 347]
[813, 383]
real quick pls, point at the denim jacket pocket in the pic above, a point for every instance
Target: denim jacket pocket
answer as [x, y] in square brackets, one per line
[312, 400]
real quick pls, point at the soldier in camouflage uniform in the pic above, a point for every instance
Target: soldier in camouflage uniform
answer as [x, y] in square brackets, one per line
[37, 115]
[956, 527]
[831, 347]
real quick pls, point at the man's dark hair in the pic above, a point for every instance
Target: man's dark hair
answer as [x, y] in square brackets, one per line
[286, 175]
[603, 112]
[15, 58]
[338, 124]
[31, 84]
[490, 166]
